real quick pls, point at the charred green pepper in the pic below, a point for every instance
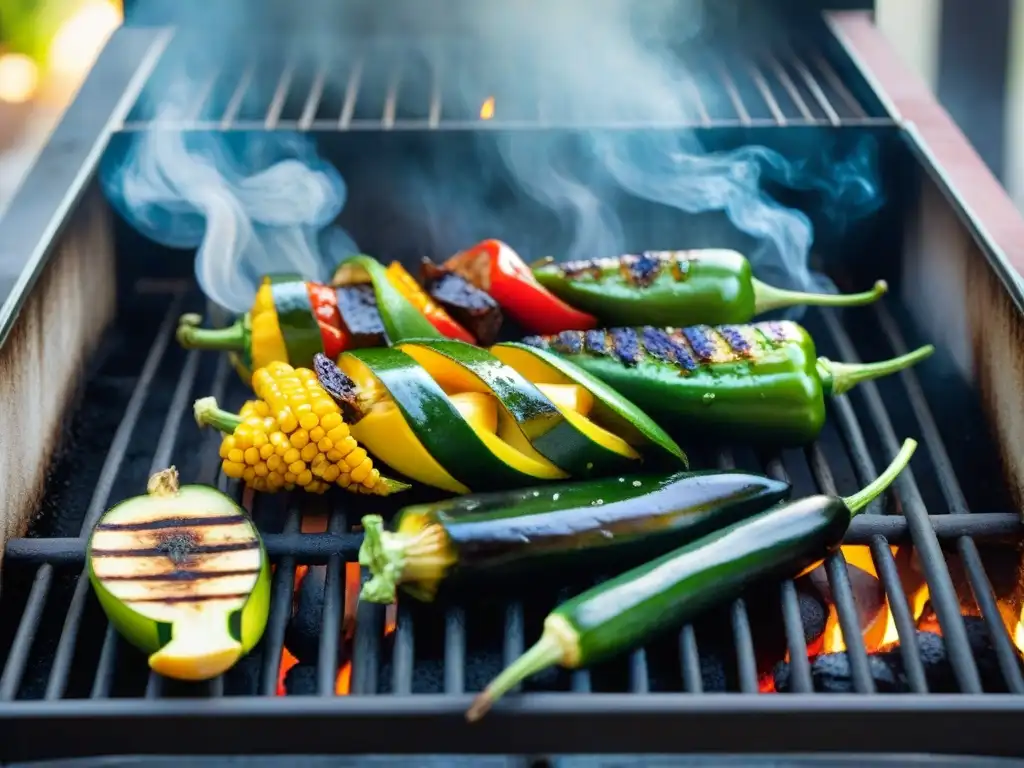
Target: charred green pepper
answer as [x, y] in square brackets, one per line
[676, 288]
[675, 588]
[480, 538]
[761, 382]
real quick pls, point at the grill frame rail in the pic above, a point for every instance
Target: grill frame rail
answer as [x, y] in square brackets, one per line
[781, 84]
[638, 721]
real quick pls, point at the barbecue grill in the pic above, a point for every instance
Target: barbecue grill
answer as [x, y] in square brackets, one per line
[924, 601]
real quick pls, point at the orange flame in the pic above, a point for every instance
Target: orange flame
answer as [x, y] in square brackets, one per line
[487, 109]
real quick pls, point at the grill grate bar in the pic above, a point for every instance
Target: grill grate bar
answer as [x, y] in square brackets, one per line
[746, 661]
[205, 92]
[280, 94]
[513, 647]
[316, 548]
[766, 94]
[881, 555]
[25, 636]
[639, 679]
[940, 583]
[366, 648]
[842, 590]
[791, 90]
[814, 88]
[689, 660]
[391, 99]
[280, 606]
[796, 640]
[957, 503]
[454, 651]
[351, 94]
[234, 105]
[402, 652]
[837, 84]
[331, 627]
[316, 92]
[732, 91]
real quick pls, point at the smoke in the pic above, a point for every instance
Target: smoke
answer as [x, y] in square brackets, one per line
[258, 203]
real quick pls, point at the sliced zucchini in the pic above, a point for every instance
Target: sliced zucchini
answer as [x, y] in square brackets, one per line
[418, 430]
[296, 318]
[611, 410]
[182, 574]
[529, 421]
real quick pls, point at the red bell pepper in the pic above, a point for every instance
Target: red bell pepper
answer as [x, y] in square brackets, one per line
[493, 266]
[325, 307]
[406, 284]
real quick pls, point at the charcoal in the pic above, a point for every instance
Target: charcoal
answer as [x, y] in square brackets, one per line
[714, 674]
[469, 306]
[300, 680]
[357, 305]
[813, 616]
[302, 634]
[831, 672]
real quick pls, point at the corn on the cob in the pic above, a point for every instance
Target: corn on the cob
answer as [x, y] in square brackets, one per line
[292, 436]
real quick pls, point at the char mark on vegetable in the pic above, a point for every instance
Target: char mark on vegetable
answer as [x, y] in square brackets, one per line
[658, 344]
[183, 575]
[779, 331]
[568, 342]
[738, 343]
[581, 268]
[339, 386]
[596, 342]
[681, 351]
[540, 342]
[626, 345]
[642, 270]
[174, 522]
[203, 549]
[190, 598]
[703, 342]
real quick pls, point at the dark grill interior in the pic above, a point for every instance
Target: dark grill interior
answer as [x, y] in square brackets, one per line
[953, 616]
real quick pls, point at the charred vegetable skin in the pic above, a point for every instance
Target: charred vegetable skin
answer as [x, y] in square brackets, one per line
[493, 267]
[455, 417]
[623, 612]
[475, 309]
[182, 574]
[761, 382]
[620, 520]
[676, 288]
[292, 436]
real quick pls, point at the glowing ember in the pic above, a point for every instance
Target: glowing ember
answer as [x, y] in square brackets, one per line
[487, 109]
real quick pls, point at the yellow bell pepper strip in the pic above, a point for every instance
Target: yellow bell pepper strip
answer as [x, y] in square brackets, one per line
[182, 575]
[290, 321]
[401, 318]
[411, 290]
[292, 436]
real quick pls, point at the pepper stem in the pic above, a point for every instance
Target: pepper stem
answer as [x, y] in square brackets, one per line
[840, 378]
[208, 414]
[870, 492]
[191, 336]
[163, 483]
[417, 558]
[768, 297]
[548, 651]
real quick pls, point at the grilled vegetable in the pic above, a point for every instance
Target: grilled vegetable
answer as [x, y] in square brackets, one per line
[357, 305]
[474, 309]
[290, 321]
[676, 288]
[624, 612]
[436, 315]
[494, 267]
[292, 436]
[401, 318]
[455, 417]
[761, 382]
[568, 525]
[182, 574]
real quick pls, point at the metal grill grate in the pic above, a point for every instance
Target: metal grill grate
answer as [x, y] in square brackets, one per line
[387, 85]
[49, 664]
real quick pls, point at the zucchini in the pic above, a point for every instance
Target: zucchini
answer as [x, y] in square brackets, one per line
[531, 422]
[182, 574]
[622, 521]
[428, 436]
[296, 318]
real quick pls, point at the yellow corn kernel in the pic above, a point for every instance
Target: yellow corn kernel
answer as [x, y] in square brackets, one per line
[325, 445]
[297, 467]
[308, 421]
[361, 472]
[309, 452]
[266, 451]
[330, 473]
[252, 456]
[299, 438]
[304, 478]
[292, 455]
[355, 457]
[233, 469]
[236, 455]
[316, 434]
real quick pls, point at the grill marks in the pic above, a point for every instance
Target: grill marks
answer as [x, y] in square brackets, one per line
[686, 348]
[640, 270]
[161, 565]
